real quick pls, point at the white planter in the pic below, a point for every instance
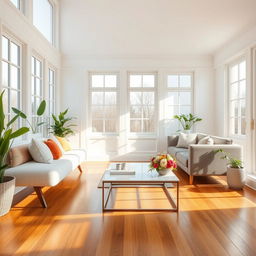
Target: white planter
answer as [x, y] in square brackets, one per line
[6, 194]
[162, 172]
[187, 131]
[236, 177]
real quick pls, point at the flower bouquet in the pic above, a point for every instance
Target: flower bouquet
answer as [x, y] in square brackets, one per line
[162, 163]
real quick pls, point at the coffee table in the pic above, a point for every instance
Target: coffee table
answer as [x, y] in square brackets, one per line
[142, 178]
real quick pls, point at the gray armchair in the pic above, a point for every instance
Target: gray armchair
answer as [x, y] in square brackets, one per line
[200, 159]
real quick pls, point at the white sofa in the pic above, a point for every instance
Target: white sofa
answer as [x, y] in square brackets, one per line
[39, 175]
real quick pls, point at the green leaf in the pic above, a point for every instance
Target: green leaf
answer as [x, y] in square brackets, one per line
[19, 132]
[39, 124]
[13, 120]
[41, 108]
[2, 116]
[18, 112]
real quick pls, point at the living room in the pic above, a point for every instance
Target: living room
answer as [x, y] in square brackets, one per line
[127, 128]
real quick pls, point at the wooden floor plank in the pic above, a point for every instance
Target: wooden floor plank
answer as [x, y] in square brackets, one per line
[213, 220]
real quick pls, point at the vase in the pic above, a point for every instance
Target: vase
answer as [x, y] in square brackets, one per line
[235, 178]
[6, 194]
[162, 172]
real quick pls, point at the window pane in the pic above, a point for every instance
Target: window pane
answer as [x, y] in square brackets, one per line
[185, 110]
[42, 17]
[242, 106]
[14, 99]
[14, 77]
[185, 98]
[242, 89]
[234, 91]
[97, 98]
[97, 125]
[135, 80]
[173, 81]
[15, 54]
[110, 112]
[173, 98]
[234, 109]
[110, 98]
[148, 98]
[236, 126]
[5, 102]
[38, 87]
[110, 81]
[38, 68]
[243, 126]
[97, 112]
[110, 126]
[5, 48]
[33, 65]
[148, 81]
[242, 70]
[148, 126]
[185, 81]
[136, 98]
[135, 112]
[97, 81]
[5, 74]
[172, 111]
[148, 112]
[135, 126]
[234, 74]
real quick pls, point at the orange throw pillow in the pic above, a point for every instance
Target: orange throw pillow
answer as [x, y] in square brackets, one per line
[56, 151]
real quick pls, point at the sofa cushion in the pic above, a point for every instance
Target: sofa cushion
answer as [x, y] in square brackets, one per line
[206, 140]
[64, 143]
[186, 139]
[182, 157]
[19, 155]
[40, 152]
[55, 149]
[52, 137]
[173, 151]
[221, 140]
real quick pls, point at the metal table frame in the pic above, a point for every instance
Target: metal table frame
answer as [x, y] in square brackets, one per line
[137, 184]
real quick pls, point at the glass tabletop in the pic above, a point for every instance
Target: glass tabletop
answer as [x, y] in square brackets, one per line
[142, 174]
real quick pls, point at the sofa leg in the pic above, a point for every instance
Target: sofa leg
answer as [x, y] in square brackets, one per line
[191, 178]
[40, 196]
[80, 168]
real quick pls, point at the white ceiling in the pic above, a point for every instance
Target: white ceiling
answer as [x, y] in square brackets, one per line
[152, 27]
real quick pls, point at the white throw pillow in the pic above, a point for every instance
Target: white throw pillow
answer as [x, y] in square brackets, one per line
[52, 137]
[40, 152]
[186, 139]
[206, 140]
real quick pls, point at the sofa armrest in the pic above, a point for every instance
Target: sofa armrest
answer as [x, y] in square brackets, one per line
[204, 161]
[172, 140]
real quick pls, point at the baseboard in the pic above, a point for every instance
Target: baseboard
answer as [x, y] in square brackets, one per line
[19, 196]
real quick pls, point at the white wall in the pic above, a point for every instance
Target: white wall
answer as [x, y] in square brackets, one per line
[75, 84]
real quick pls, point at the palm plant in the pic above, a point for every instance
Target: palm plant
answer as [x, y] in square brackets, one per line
[231, 161]
[61, 126]
[6, 137]
[34, 126]
[187, 121]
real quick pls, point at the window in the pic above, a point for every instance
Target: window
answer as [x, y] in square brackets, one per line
[11, 75]
[17, 3]
[36, 86]
[237, 97]
[179, 96]
[51, 88]
[104, 102]
[142, 92]
[43, 18]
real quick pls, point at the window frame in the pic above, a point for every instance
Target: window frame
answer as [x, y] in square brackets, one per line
[233, 63]
[156, 105]
[104, 89]
[12, 39]
[52, 69]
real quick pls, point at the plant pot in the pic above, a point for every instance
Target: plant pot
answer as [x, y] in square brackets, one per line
[162, 172]
[6, 194]
[187, 131]
[235, 178]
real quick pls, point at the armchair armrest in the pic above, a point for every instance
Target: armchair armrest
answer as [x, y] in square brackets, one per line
[204, 161]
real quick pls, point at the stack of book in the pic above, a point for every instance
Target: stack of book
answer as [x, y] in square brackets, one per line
[121, 169]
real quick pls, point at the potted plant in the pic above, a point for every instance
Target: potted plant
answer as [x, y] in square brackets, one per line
[187, 121]
[62, 127]
[162, 163]
[7, 134]
[235, 170]
[34, 125]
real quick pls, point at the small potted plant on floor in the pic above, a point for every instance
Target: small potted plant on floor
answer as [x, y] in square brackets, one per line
[7, 134]
[162, 163]
[235, 170]
[187, 121]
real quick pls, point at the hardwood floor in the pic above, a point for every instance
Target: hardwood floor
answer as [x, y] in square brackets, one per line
[213, 220]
